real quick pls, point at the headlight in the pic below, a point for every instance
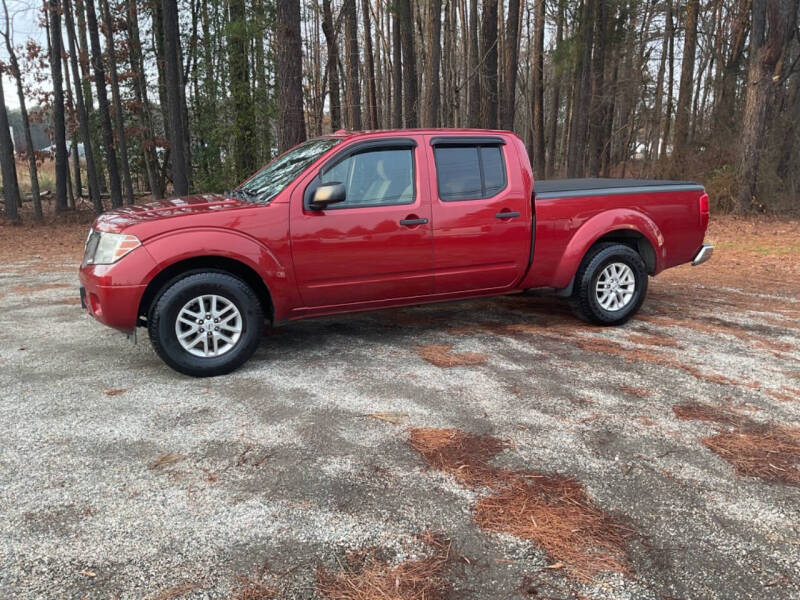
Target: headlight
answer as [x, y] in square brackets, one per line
[106, 248]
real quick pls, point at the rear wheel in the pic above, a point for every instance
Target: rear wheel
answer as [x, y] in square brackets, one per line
[610, 285]
[206, 324]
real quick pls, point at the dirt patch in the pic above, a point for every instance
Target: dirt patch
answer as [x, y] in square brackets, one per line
[556, 514]
[656, 341]
[253, 590]
[25, 289]
[693, 411]
[179, 591]
[366, 577]
[785, 395]
[552, 511]
[767, 451]
[770, 453]
[444, 357]
[170, 458]
[634, 391]
[463, 455]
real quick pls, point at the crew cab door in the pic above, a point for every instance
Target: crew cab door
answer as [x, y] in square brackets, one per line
[481, 214]
[375, 246]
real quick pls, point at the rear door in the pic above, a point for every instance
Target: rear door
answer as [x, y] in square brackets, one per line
[481, 214]
[378, 244]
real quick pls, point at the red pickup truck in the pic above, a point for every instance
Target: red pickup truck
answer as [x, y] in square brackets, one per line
[360, 221]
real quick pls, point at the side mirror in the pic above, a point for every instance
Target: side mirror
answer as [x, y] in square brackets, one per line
[329, 193]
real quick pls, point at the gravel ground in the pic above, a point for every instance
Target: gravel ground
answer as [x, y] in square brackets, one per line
[122, 478]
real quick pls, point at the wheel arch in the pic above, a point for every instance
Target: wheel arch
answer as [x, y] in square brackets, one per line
[206, 263]
[635, 240]
[626, 226]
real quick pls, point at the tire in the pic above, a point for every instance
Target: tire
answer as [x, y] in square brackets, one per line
[623, 284]
[216, 351]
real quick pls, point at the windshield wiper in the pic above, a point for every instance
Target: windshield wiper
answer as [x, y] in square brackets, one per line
[242, 194]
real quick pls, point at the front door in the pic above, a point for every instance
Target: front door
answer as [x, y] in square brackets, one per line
[482, 217]
[375, 246]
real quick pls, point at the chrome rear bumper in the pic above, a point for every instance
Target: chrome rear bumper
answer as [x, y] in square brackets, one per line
[705, 253]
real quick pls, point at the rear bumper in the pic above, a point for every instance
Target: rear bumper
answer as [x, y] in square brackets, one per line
[705, 252]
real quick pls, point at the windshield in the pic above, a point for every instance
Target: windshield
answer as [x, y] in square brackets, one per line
[270, 181]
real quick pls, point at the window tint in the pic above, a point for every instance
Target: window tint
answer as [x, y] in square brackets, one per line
[374, 178]
[494, 176]
[458, 173]
[469, 172]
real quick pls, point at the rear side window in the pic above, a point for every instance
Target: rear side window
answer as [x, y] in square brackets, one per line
[469, 172]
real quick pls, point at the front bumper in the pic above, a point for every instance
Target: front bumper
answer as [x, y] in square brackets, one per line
[116, 305]
[705, 252]
[111, 293]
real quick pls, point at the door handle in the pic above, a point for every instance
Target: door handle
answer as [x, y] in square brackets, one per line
[507, 214]
[412, 222]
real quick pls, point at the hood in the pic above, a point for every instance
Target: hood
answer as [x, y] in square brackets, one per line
[115, 221]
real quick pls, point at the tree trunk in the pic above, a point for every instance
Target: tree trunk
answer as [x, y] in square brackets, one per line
[473, 74]
[369, 67]
[582, 94]
[83, 118]
[291, 124]
[140, 94]
[406, 26]
[333, 70]
[683, 112]
[772, 30]
[115, 98]
[670, 33]
[510, 58]
[538, 157]
[244, 135]
[8, 165]
[59, 130]
[26, 126]
[397, 71]
[552, 141]
[597, 106]
[352, 61]
[115, 184]
[263, 105]
[433, 65]
[174, 81]
[488, 64]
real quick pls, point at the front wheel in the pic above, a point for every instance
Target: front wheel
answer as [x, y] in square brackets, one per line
[610, 285]
[206, 324]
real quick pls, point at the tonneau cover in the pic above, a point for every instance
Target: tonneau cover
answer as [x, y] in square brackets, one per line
[554, 188]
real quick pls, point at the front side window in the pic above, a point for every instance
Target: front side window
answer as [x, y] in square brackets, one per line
[272, 179]
[469, 172]
[375, 178]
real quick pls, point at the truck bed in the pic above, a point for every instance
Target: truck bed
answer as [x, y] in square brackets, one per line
[567, 188]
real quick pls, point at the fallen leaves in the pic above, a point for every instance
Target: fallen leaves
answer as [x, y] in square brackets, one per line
[443, 356]
[164, 460]
[395, 418]
[375, 579]
[552, 511]
[768, 451]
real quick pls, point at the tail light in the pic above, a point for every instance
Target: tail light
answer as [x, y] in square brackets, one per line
[704, 204]
[704, 210]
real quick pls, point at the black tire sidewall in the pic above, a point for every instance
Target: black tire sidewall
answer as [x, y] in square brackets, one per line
[590, 306]
[174, 298]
